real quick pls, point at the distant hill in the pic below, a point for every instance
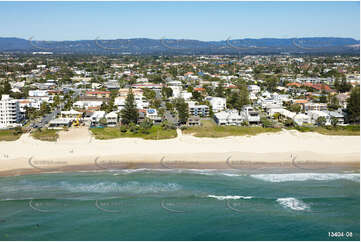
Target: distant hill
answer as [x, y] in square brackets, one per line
[312, 45]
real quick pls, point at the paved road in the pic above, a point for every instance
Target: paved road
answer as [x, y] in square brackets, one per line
[51, 116]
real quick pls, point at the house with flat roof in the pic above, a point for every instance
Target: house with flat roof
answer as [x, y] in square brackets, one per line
[193, 121]
[229, 117]
[112, 119]
[9, 112]
[198, 110]
[218, 103]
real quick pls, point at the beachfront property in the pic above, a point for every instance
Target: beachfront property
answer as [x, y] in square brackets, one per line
[111, 119]
[251, 115]
[96, 117]
[60, 123]
[229, 117]
[315, 114]
[152, 115]
[193, 121]
[10, 115]
[198, 110]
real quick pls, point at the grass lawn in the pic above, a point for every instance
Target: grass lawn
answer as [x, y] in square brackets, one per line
[156, 132]
[9, 135]
[45, 134]
[351, 130]
[210, 129]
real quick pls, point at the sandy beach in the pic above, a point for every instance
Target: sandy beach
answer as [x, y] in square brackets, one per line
[76, 149]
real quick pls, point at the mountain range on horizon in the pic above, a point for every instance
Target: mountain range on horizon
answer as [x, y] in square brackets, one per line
[146, 46]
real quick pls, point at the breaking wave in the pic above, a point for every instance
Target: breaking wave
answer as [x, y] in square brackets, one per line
[307, 176]
[229, 197]
[293, 203]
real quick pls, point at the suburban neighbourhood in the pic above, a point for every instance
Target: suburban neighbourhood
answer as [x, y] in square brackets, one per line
[136, 96]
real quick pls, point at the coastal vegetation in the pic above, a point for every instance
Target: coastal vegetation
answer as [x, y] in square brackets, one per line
[10, 134]
[155, 132]
[130, 113]
[210, 129]
[45, 134]
[351, 130]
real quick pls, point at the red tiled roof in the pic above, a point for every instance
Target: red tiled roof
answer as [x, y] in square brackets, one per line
[199, 89]
[294, 84]
[301, 101]
[320, 87]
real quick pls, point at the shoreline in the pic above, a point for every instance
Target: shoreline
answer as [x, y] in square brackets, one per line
[78, 150]
[246, 168]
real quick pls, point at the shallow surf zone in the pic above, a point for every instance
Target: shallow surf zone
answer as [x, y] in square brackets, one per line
[178, 205]
[307, 177]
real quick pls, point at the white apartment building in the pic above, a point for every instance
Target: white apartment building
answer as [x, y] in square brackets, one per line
[254, 89]
[251, 115]
[218, 103]
[299, 119]
[9, 112]
[186, 95]
[140, 101]
[229, 117]
[177, 90]
[315, 114]
[198, 110]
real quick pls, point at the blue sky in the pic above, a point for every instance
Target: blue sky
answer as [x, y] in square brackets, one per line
[181, 20]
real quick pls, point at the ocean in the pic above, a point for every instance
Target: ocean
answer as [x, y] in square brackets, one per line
[176, 204]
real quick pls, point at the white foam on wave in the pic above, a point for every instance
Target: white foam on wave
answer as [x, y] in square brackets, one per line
[229, 197]
[207, 172]
[128, 187]
[293, 203]
[307, 176]
[231, 174]
[16, 199]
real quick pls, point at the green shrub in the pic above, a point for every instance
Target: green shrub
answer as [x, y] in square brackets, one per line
[266, 123]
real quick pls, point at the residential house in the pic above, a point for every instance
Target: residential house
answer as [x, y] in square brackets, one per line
[251, 115]
[315, 114]
[254, 89]
[315, 107]
[112, 119]
[96, 117]
[60, 123]
[229, 117]
[193, 121]
[218, 103]
[152, 114]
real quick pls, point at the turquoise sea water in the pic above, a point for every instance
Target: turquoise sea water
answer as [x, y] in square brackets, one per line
[180, 205]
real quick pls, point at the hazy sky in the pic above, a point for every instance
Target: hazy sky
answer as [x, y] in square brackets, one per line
[182, 20]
